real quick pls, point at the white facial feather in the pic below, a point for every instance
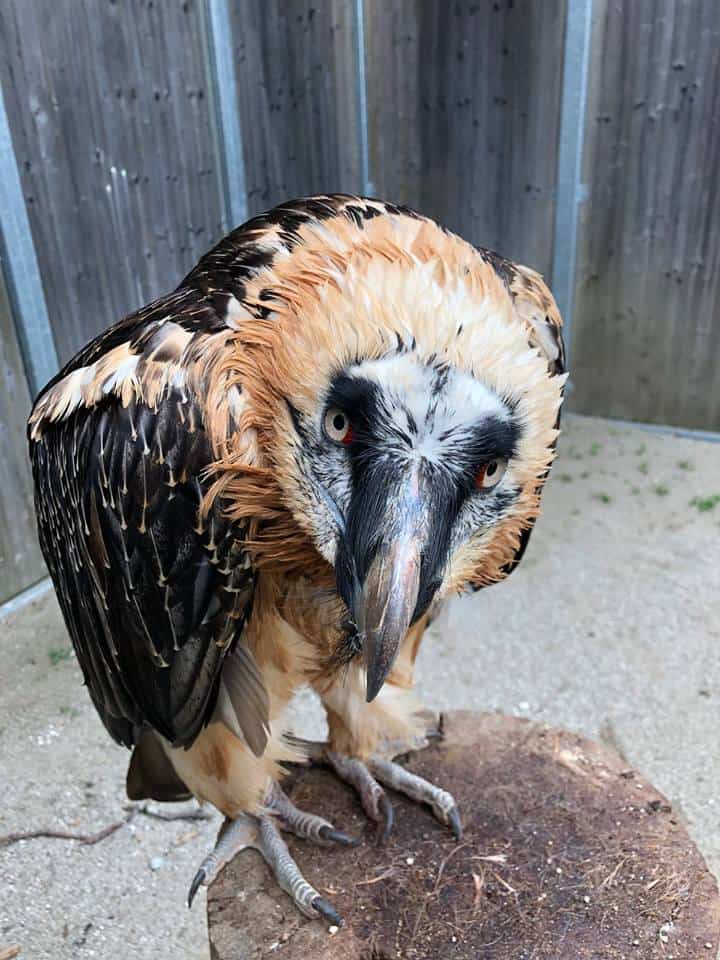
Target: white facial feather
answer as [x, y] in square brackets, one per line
[440, 401]
[425, 412]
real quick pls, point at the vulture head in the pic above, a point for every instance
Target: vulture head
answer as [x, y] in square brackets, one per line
[407, 387]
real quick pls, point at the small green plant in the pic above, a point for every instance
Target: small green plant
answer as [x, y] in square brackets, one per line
[69, 712]
[566, 477]
[643, 467]
[661, 490]
[686, 465]
[595, 449]
[602, 497]
[703, 504]
[641, 450]
[57, 654]
[635, 491]
[574, 454]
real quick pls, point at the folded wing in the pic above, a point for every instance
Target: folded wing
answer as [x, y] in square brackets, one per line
[155, 592]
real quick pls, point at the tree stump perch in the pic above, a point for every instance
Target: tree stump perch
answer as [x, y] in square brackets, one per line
[566, 854]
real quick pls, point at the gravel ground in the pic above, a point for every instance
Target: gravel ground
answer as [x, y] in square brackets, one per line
[611, 627]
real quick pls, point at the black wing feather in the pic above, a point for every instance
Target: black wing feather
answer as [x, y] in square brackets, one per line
[153, 595]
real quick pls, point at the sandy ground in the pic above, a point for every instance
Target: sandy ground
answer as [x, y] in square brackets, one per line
[611, 627]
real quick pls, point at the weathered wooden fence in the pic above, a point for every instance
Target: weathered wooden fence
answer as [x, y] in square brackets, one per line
[141, 130]
[647, 327]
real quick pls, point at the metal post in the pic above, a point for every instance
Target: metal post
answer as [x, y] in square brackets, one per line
[368, 188]
[222, 69]
[570, 191]
[22, 272]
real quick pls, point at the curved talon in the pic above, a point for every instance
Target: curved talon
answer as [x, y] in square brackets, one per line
[263, 834]
[327, 910]
[442, 804]
[300, 822]
[453, 821]
[387, 814]
[337, 836]
[197, 882]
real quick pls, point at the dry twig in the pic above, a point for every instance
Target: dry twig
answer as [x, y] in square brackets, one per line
[479, 881]
[383, 876]
[9, 952]
[172, 815]
[88, 839]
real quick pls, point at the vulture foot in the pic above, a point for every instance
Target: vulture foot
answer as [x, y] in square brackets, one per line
[303, 824]
[368, 779]
[263, 834]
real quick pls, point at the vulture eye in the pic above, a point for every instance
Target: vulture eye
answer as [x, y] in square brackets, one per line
[338, 426]
[490, 474]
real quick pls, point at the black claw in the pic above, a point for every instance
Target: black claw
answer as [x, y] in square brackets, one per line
[388, 814]
[337, 836]
[327, 910]
[441, 724]
[198, 881]
[454, 822]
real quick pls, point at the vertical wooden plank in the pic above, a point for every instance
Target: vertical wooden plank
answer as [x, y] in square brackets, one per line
[569, 189]
[492, 89]
[221, 66]
[367, 188]
[647, 340]
[21, 562]
[112, 127]
[464, 105]
[22, 271]
[297, 83]
[392, 70]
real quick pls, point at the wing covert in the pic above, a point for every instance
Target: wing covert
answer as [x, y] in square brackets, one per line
[154, 591]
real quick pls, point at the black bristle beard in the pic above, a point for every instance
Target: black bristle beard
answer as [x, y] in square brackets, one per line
[349, 647]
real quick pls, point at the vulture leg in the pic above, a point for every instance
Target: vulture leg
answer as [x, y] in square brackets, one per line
[365, 737]
[303, 824]
[441, 802]
[263, 834]
[368, 778]
[372, 796]
[235, 836]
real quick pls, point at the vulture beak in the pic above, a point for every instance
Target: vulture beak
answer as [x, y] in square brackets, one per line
[386, 601]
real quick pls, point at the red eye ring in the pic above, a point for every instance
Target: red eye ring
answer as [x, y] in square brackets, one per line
[490, 474]
[338, 426]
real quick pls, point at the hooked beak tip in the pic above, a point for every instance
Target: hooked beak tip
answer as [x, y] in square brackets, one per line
[375, 678]
[381, 644]
[379, 652]
[386, 601]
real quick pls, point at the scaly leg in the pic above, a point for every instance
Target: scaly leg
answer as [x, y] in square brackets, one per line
[303, 824]
[364, 739]
[372, 796]
[263, 834]
[367, 777]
